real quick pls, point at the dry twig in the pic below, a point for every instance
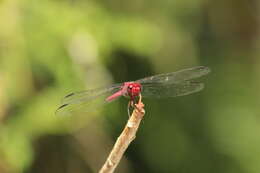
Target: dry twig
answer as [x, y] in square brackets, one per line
[123, 141]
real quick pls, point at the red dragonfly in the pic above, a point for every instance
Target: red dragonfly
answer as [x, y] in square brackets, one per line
[159, 86]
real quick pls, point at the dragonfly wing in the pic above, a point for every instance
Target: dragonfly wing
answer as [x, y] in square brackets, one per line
[176, 77]
[171, 90]
[84, 96]
[85, 101]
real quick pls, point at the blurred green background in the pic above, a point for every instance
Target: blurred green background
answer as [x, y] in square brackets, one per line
[50, 48]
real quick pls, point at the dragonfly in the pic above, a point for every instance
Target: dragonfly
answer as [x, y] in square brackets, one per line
[173, 84]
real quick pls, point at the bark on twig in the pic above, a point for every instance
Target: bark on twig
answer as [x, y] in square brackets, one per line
[123, 141]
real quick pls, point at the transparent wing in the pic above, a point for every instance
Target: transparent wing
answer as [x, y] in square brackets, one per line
[176, 77]
[85, 101]
[160, 90]
[87, 95]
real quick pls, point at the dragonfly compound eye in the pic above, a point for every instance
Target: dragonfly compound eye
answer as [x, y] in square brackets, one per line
[129, 88]
[134, 89]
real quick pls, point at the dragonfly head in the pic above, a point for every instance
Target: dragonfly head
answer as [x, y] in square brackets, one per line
[133, 89]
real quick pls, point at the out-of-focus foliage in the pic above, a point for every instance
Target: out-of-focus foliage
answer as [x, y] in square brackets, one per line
[50, 48]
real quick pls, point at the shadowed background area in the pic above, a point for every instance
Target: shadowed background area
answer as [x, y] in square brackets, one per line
[49, 49]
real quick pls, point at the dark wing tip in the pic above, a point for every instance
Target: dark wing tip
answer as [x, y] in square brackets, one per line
[62, 106]
[204, 69]
[59, 108]
[71, 94]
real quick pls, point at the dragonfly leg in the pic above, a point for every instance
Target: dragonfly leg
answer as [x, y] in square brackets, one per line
[140, 98]
[128, 109]
[130, 104]
[139, 101]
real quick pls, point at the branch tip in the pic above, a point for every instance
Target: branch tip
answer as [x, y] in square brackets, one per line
[125, 138]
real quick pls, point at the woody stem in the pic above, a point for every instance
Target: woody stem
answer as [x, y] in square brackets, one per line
[125, 138]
